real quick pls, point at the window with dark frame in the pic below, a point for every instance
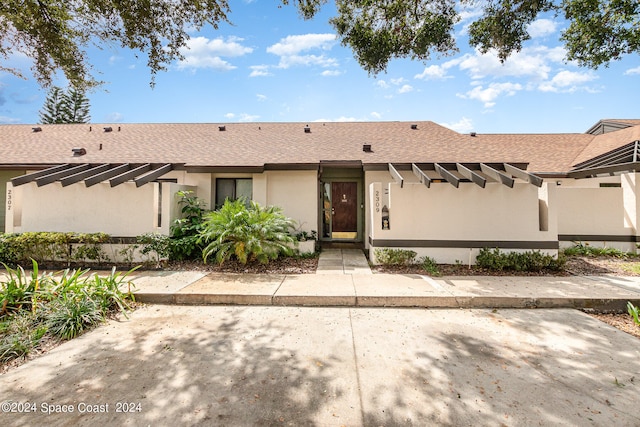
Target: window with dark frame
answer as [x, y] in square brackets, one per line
[233, 189]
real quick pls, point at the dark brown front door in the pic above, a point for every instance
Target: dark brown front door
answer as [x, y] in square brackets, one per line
[344, 207]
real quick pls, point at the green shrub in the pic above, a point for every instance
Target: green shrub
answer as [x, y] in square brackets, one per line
[19, 335]
[583, 249]
[51, 247]
[185, 231]
[246, 233]
[429, 265]
[395, 256]
[19, 291]
[154, 243]
[494, 259]
[634, 312]
[72, 316]
[8, 249]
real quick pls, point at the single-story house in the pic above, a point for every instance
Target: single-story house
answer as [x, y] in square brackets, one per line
[414, 185]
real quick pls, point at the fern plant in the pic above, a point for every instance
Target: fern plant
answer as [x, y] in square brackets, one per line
[252, 233]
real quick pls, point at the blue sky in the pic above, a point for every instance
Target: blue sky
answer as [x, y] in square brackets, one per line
[271, 65]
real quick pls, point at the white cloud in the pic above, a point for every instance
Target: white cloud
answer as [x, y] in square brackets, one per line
[259, 71]
[489, 94]
[433, 72]
[463, 125]
[383, 84]
[261, 97]
[306, 60]
[542, 27]
[331, 73]
[115, 117]
[294, 45]
[290, 50]
[405, 89]
[202, 52]
[376, 115]
[8, 120]
[397, 81]
[244, 117]
[528, 62]
[339, 119]
[567, 81]
[632, 71]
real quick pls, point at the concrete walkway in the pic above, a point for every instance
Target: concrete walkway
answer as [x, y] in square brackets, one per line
[328, 288]
[343, 261]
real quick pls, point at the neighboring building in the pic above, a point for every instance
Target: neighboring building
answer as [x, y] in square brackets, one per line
[411, 185]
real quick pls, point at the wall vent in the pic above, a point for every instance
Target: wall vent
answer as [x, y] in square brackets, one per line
[367, 148]
[78, 152]
[108, 129]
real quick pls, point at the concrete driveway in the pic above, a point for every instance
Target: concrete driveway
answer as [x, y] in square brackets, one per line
[284, 366]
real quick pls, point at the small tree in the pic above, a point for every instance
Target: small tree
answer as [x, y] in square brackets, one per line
[65, 107]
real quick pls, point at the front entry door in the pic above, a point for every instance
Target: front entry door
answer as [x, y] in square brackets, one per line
[344, 210]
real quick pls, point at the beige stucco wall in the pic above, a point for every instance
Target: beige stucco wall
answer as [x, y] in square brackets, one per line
[123, 211]
[468, 213]
[593, 211]
[296, 192]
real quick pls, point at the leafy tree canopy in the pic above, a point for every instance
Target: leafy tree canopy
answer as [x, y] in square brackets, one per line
[55, 33]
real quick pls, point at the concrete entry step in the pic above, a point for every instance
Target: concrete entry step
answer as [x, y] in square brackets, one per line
[343, 261]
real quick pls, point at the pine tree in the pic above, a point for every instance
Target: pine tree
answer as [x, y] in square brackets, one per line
[61, 107]
[52, 111]
[76, 107]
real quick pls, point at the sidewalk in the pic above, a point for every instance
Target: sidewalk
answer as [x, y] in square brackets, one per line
[344, 279]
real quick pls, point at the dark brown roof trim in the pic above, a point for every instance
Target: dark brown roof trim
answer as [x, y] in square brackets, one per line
[224, 169]
[596, 238]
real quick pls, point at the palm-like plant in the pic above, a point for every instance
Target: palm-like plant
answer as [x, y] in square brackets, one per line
[253, 233]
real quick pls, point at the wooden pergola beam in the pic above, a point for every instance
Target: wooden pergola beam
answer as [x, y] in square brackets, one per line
[154, 174]
[53, 177]
[523, 175]
[496, 175]
[471, 175]
[110, 173]
[396, 175]
[448, 176]
[130, 174]
[424, 179]
[77, 177]
[25, 179]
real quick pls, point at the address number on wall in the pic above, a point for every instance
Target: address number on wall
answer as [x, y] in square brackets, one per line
[377, 200]
[9, 199]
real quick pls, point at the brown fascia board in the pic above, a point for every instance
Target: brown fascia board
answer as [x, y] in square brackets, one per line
[23, 166]
[291, 166]
[224, 169]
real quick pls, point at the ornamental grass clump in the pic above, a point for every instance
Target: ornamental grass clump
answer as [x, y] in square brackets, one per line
[36, 306]
[246, 233]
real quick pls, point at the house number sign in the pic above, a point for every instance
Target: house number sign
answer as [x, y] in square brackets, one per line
[9, 199]
[377, 200]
